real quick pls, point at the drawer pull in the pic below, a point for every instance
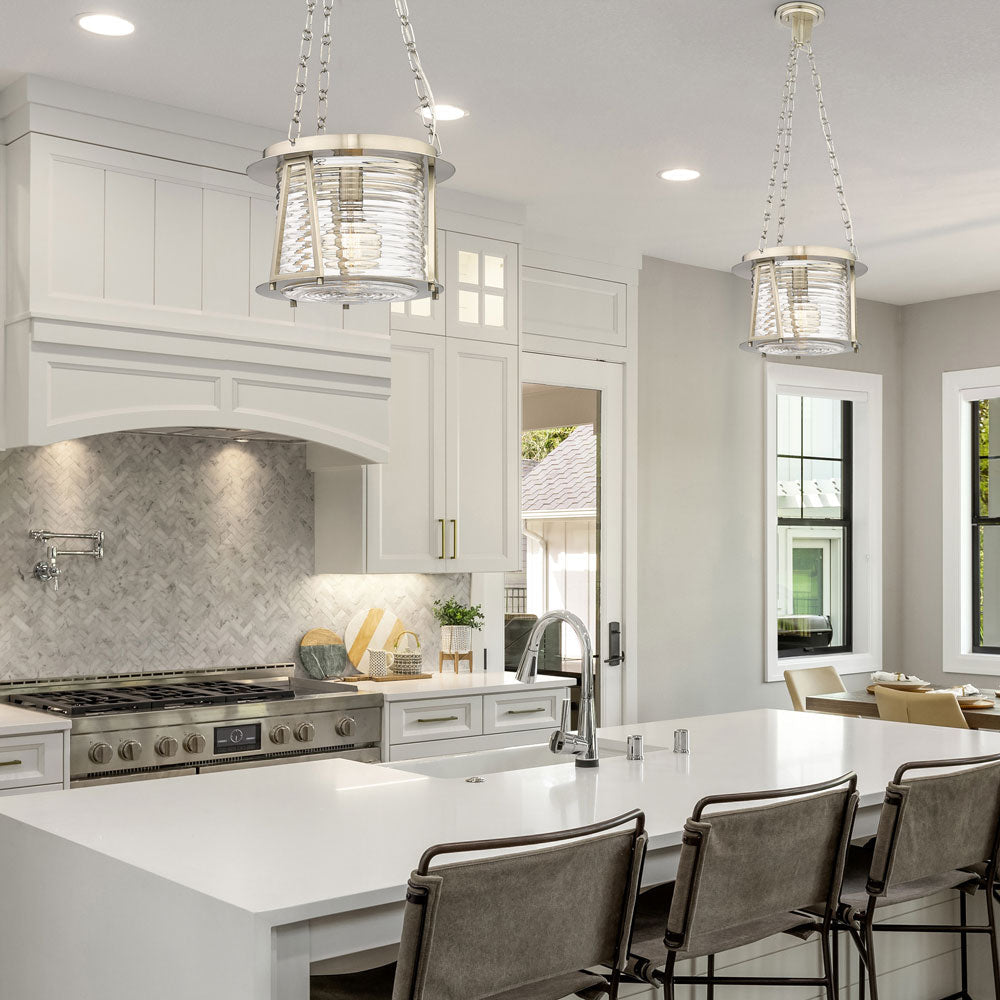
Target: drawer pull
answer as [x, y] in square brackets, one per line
[9, 763]
[524, 711]
[441, 519]
[441, 718]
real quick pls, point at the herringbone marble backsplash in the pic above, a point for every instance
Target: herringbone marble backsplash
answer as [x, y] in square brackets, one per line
[208, 559]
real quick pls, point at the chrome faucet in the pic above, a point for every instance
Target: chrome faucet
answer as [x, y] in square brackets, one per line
[582, 744]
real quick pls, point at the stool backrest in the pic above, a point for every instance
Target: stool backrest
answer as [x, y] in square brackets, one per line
[475, 928]
[936, 823]
[805, 681]
[744, 865]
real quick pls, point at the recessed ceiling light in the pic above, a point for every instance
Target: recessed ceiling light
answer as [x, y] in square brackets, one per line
[105, 24]
[444, 113]
[679, 174]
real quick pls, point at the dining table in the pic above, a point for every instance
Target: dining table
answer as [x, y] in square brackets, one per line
[862, 704]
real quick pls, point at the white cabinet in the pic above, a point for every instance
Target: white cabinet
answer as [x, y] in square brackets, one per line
[573, 307]
[521, 710]
[447, 500]
[32, 762]
[425, 315]
[481, 292]
[435, 719]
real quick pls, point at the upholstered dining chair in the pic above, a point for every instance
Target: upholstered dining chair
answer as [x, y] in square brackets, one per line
[936, 832]
[811, 680]
[732, 891]
[928, 708]
[518, 926]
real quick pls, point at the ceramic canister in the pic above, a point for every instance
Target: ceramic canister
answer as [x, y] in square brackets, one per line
[380, 662]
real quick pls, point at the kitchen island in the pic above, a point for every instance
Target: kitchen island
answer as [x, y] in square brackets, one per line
[230, 885]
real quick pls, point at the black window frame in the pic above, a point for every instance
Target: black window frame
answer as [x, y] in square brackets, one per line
[845, 521]
[978, 520]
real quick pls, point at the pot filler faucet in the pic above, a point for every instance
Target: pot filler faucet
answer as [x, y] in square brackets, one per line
[583, 744]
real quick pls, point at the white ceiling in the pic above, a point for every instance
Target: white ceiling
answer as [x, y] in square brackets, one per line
[576, 104]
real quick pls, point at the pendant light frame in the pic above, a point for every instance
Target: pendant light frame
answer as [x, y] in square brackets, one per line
[780, 275]
[336, 242]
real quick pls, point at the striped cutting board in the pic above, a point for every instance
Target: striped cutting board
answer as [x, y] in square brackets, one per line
[375, 628]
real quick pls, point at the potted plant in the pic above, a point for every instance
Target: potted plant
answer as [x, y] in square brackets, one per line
[457, 621]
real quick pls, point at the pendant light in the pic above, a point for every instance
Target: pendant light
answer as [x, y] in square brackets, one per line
[802, 297]
[356, 212]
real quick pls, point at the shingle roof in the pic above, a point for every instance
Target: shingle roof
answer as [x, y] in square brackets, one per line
[566, 479]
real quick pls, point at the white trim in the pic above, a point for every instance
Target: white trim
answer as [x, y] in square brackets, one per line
[958, 389]
[865, 391]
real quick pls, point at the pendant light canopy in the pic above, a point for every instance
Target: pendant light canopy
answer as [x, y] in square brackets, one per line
[356, 213]
[802, 297]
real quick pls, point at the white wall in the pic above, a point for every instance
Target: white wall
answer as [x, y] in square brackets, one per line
[701, 490]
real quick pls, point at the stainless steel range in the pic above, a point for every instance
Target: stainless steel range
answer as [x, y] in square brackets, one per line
[148, 727]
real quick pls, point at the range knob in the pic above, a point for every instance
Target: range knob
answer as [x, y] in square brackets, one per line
[280, 734]
[101, 753]
[305, 732]
[346, 726]
[195, 743]
[130, 750]
[167, 746]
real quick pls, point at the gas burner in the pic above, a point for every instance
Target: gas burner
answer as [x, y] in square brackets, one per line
[150, 697]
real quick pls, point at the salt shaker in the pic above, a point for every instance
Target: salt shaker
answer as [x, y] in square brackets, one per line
[682, 742]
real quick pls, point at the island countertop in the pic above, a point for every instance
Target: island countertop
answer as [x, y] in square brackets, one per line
[309, 844]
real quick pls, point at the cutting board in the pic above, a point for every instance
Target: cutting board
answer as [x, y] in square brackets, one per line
[374, 628]
[322, 654]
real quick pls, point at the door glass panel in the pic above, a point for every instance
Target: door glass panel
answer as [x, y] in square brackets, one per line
[468, 306]
[468, 267]
[493, 310]
[420, 307]
[492, 271]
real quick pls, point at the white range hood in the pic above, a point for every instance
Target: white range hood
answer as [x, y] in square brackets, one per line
[133, 241]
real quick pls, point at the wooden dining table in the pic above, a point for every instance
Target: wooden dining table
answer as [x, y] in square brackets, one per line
[861, 703]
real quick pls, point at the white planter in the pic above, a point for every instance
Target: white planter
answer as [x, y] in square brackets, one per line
[456, 639]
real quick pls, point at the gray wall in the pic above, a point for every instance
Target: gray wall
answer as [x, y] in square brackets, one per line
[946, 335]
[209, 559]
[701, 490]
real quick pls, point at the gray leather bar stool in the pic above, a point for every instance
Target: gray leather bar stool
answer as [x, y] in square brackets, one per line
[518, 926]
[732, 887]
[936, 832]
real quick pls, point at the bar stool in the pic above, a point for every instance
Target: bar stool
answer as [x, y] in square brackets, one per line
[935, 832]
[523, 926]
[730, 892]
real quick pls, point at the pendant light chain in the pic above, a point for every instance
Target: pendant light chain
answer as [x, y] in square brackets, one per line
[845, 212]
[302, 74]
[782, 148]
[423, 87]
[326, 44]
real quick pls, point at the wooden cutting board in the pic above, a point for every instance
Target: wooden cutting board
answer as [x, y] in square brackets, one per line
[322, 654]
[374, 628]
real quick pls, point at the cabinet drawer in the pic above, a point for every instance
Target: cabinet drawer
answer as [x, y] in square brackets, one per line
[435, 719]
[503, 713]
[31, 760]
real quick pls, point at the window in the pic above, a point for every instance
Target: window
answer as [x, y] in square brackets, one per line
[814, 525]
[985, 533]
[823, 580]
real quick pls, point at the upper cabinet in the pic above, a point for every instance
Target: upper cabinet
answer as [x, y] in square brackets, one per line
[573, 307]
[425, 315]
[481, 292]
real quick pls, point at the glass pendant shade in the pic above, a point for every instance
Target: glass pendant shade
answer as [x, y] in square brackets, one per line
[802, 300]
[356, 218]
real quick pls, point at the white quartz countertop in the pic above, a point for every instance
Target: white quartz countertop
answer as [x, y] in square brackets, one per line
[14, 721]
[441, 685]
[298, 841]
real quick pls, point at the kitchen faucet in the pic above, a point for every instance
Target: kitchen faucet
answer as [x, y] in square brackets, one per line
[583, 744]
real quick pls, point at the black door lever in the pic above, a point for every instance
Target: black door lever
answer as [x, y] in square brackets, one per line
[615, 655]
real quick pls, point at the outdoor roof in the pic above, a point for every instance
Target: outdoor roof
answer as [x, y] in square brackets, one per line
[566, 479]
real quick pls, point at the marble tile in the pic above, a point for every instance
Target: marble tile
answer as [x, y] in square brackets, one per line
[209, 554]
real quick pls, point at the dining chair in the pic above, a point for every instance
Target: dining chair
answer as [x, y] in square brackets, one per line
[519, 926]
[936, 832]
[730, 891]
[928, 708]
[811, 680]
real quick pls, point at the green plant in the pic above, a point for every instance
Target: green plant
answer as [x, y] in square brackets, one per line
[452, 612]
[536, 445]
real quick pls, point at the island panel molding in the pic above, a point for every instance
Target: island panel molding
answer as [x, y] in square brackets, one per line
[209, 559]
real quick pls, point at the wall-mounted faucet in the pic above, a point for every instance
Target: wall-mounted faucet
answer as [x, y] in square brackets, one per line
[582, 744]
[48, 570]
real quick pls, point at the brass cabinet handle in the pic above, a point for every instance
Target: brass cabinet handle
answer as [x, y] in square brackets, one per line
[441, 522]
[443, 718]
[454, 538]
[524, 711]
[9, 763]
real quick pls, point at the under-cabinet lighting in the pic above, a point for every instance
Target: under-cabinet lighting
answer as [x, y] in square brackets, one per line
[105, 24]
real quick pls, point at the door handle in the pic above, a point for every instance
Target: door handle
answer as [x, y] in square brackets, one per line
[441, 522]
[615, 655]
[454, 538]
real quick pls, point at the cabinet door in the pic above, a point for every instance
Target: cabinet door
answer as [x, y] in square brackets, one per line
[424, 315]
[482, 289]
[482, 445]
[405, 497]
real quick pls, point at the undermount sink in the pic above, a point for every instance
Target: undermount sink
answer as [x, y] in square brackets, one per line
[469, 765]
